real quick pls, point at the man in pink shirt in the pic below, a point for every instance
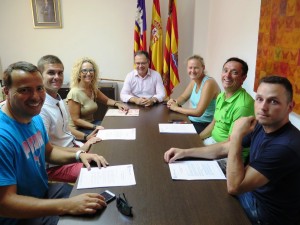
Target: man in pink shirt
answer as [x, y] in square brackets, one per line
[143, 86]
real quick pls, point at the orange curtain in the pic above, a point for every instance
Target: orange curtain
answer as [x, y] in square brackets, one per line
[278, 51]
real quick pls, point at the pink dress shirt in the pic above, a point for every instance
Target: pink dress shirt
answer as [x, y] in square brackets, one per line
[149, 86]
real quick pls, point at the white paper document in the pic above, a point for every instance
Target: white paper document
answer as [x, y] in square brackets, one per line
[177, 128]
[196, 170]
[110, 176]
[118, 112]
[117, 134]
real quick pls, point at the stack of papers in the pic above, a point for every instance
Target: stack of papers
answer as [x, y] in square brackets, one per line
[118, 112]
[106, 177]
[196, 170]
[177, 128]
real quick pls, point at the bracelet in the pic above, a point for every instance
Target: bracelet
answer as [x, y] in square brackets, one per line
[177, 103]
[94, 127]
[77, 155]
[85, 137]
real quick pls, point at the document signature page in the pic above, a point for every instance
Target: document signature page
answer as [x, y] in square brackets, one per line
[110, 176]
[118, 112]
[120, 134]
[177, 128]
[196, 170]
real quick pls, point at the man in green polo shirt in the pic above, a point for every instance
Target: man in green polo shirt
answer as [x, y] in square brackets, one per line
[234, 102]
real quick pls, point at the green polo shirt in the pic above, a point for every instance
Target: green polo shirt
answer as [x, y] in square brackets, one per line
[229, 110]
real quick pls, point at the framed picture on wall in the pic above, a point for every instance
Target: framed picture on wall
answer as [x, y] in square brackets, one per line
[46, 13]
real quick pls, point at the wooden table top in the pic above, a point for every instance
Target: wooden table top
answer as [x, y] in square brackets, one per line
[156, 198]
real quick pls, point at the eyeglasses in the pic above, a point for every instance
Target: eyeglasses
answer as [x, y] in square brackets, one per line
[86, 71]
[141, 63]
[123, 206]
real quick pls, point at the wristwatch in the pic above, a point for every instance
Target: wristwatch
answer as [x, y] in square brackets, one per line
[85, 137]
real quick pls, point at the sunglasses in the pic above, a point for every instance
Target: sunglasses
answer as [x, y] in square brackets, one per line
[123, 206]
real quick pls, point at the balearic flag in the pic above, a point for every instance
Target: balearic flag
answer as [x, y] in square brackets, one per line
[170, 68]
[140, 27]
[156, 46]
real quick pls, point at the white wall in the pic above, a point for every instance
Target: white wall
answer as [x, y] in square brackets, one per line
[231, 30]
[99, 29]
[84, 33]
[215, 29]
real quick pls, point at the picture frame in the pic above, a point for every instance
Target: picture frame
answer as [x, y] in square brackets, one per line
[46, 13]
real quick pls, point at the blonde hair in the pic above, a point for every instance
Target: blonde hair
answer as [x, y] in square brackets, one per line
[199, 58]
[76, 70]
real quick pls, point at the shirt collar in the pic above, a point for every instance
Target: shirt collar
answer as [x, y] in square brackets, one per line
[51, 100]
[234, 96]
[136, 73]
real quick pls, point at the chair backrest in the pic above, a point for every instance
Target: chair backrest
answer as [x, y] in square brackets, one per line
[2, 95]
[2, 103]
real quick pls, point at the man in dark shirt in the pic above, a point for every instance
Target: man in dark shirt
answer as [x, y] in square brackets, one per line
[268, 187]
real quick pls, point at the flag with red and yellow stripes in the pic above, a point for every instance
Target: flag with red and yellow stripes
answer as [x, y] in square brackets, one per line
[156, 42]
[170, 68]
[140, 40]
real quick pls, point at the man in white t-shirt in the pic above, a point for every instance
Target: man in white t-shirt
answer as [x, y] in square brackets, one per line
[55, 118]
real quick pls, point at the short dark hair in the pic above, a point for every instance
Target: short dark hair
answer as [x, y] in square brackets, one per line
[274, 79]
[142, 52]
[22, 65]
[244, 64]
[48, 59]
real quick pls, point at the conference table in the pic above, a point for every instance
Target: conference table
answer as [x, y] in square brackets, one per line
[156, 198]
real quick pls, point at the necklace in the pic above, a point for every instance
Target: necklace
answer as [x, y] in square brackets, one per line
[88, 90]
[89, 93]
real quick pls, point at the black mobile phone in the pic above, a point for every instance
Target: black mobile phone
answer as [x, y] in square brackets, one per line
[177, 121]
[109, 196]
